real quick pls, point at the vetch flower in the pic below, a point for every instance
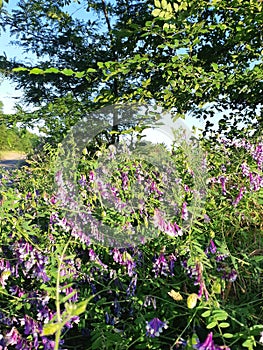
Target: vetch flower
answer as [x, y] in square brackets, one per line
[132, 286]
[223, 180]
[160, 266]
[212, 247]
[245, 169]
[12, 337]
[155, 327]
[209, 344]
[239, 197]
[206, 218]
[232, 276]
[184, 211]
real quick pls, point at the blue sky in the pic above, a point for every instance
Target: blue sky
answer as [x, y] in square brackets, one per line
[8, 94]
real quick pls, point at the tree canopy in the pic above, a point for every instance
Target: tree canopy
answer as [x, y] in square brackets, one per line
[198, 57]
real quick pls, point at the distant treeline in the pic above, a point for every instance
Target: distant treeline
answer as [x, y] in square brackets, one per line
[16, 139]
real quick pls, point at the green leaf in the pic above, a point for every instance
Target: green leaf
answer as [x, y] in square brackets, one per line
[67, 297]
[76, 309]
[156, 12]
[20, 69]
[249, 343]
[164, 4]
[176, 7]
[67, 72]
[91, 70]
[79, 74]
[224, 325]
[211, 325]
[80, 307]
[228, 335]
[157, 3]
[206, 313]
[220, 315]
[36, 71]
[215, 67]
[100, 64]
[50, 329]
[52, 70]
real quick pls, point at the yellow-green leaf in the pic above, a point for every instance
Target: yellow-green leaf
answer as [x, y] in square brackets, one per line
[67, 72]
[211, 325]
[36, 71]
[156, 12]
[50, 329]
[157, 3]
[51, 70]
[164, 4]
[224, 325]
[192, 300]
[19, 69]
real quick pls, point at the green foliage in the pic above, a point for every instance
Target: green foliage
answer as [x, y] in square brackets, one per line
[193, 56]
[14, 139]
[94, 282]
[179, 288]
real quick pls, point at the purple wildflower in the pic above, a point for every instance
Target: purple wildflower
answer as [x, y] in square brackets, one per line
[160, 266]
[109, 319]
[132, 286]
[94, 257]
[257, 154]
[172, 259]
[48, 344]
[212, 247]
[206, 218]
[125, 180]
[155, 327]
[91, 176]
[239, 197]
[255, 181]
[209, 344]
[223, 181]
[74, 294]
[245, 169]
[83, 181]
[232, 276]
[184, 211]
[12, 337]
[171, 229]
[73, 319]
[149, 300]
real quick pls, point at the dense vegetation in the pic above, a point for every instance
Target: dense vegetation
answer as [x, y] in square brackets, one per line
[109, 242]
[14, 139]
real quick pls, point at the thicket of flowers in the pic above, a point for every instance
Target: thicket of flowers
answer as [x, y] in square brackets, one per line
[194, 283]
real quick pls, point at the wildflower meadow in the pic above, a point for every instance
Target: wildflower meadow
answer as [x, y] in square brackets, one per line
[113, 238]
[144, 260]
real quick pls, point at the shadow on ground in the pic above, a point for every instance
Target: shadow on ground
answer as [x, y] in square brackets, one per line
[12, 163]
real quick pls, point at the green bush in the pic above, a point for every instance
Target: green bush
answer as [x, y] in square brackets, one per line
[14, 139]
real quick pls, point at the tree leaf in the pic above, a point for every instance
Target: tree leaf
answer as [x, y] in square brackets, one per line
[52, 70]
[20, 69]
[67, 72]
[36, 71]
[156, 12]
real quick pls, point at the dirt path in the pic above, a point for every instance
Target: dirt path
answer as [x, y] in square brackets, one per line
[11, 160]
